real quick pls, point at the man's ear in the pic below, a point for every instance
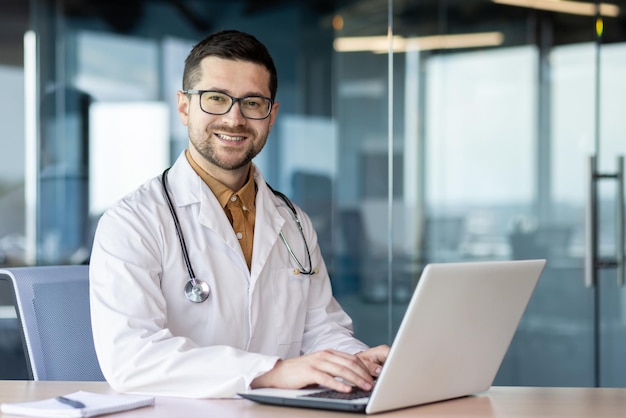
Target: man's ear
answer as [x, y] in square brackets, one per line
[183, 107]
[273, 114]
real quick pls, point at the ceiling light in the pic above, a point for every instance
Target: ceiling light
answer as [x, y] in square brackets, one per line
[563, 6]
[380, 44]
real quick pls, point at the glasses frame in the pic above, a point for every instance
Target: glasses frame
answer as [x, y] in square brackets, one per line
[232, 102]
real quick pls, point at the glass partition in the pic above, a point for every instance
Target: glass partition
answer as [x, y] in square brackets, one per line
[411, 132]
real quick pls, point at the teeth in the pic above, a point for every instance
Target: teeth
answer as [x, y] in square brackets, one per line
[230, 138]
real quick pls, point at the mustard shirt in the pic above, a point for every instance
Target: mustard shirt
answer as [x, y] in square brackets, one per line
[238, 206]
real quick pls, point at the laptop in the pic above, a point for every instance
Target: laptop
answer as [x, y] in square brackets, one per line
[450, 343]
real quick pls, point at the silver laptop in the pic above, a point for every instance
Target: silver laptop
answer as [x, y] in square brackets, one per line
[451, 342]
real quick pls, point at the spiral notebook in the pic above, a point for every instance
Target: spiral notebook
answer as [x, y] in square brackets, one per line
[77, 404]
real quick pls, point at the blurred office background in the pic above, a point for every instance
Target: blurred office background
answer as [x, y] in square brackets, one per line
[467, 137]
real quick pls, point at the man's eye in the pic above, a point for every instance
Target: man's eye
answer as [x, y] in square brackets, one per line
[252, 104]
[214, 98]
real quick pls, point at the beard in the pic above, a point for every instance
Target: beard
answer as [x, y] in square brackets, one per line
[223, 156]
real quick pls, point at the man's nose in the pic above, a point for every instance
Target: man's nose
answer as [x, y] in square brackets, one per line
[234, 113]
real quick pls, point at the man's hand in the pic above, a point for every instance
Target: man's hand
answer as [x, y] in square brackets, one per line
[330, 368]
[374, 358]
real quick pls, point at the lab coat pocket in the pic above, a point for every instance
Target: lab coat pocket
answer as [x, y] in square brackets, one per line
[290, 293]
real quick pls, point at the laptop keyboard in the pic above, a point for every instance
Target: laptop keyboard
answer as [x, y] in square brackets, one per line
[356, 393]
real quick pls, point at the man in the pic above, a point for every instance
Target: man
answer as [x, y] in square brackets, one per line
[255, 317]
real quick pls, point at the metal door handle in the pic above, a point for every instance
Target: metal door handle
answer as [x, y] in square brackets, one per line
[591, 233]
[619, 209]
[592, 260]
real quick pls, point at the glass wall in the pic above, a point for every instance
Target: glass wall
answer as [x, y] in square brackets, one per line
[410, 131]
[14, 21]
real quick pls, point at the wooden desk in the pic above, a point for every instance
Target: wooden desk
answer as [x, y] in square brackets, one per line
[518, 402]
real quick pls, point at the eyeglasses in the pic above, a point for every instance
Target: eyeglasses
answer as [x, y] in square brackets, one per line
[218, 103]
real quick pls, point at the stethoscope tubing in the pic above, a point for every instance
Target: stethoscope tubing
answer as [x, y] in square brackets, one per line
[294, 214]
[198, 290]
[195, 290]
[179, 231]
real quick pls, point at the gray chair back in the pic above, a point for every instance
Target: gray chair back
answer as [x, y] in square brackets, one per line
[52, 304]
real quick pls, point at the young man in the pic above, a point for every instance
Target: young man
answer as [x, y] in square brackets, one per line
[202, 283]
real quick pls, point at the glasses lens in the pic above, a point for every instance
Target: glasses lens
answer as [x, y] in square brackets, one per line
[215, 102]
[252, 107]
[255, 107]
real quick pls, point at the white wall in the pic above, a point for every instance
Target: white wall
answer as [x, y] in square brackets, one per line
[11, 124]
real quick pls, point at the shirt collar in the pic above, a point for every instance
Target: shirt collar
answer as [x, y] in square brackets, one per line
[223, 193]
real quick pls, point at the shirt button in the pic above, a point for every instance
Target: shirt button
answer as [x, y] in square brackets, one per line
[233, 198]
[239, 235]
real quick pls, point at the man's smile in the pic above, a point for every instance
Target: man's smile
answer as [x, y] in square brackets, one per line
[229, 137]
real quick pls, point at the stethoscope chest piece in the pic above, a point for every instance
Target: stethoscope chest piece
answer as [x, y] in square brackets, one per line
[197, 292]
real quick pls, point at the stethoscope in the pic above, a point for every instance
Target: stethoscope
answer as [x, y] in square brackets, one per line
[197, 290]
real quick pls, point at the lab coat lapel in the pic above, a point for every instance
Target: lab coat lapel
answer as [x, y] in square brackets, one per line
[213, 217]
[190, 189]
[268, 225]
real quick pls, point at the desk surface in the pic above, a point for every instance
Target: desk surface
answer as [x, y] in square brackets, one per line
[519, 402]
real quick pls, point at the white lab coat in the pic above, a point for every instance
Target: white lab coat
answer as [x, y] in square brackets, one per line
[151, 339]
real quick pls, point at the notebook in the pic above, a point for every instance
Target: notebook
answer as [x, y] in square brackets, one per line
[77, 404]
[455, 332]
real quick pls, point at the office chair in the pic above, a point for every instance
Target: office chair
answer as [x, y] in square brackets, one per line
[52, 304]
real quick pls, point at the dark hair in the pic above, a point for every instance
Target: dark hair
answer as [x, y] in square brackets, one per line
[232, 45]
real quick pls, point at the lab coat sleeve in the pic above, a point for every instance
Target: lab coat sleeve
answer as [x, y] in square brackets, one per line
[327, 324]
[136, 350]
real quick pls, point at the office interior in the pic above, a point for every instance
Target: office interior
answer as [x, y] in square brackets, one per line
[411, 131]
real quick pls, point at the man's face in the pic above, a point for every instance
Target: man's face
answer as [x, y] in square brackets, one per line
[226, 142]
